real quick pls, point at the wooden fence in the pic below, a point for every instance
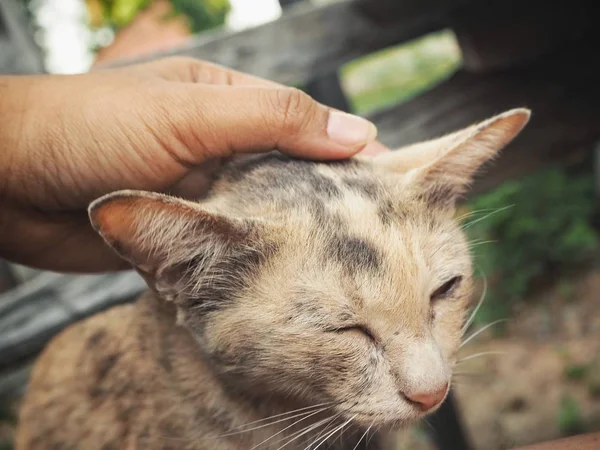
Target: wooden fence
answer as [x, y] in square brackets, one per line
[515, 53]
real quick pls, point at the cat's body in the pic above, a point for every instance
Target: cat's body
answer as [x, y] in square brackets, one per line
[124, 379]
[335, 290]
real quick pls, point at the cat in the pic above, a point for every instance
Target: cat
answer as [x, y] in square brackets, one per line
[300, 304]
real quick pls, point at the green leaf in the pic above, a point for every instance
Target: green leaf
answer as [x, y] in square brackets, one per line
[570, 421]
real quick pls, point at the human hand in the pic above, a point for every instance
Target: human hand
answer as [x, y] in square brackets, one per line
[160, 126]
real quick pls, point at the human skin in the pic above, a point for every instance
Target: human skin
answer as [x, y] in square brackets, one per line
[161, 126]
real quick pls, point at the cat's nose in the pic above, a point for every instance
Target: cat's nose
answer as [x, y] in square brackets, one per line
[428, 400]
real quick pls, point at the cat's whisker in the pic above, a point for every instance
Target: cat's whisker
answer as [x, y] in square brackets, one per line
[430, 426]
[341, 427]
[481, 330]
[304, 431]
[326, 429]
[473, 213]
[362, 437]
[478, 355]
[478, 242]
[467, 374]
[288, 427]
[374, 432]
[307, 408]
[304, 415]
[477, 307]
[473, 222]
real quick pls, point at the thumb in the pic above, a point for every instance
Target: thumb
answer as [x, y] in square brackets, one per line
[224, 120]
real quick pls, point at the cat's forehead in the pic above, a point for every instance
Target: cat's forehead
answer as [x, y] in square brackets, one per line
[331, 193]
[274, 175]
[347, 210]
[294, 185]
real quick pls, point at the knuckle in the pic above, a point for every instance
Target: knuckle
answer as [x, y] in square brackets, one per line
[192, 69]
[293, 108]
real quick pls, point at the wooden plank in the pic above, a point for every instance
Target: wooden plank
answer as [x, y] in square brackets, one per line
[326, 88]
[307, 41]
[561, 90]
[35, 311]
[387, 12]
[497, 35]
[7, 278]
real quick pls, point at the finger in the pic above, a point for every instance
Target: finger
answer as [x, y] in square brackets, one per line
[190, 70]
[198, 71]
[221, 121]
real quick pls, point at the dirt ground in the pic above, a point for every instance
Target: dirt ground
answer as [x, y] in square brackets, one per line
[546, 376]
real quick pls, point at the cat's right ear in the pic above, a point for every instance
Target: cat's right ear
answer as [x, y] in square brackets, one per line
[168, 240]
[440, 170]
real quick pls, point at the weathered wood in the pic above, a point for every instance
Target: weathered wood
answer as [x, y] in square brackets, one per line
[33, 312]
[18, 52]
[307, 41]
[495, 35]
[7, 279]
[387, 12]
[326, 88]
[561, 90]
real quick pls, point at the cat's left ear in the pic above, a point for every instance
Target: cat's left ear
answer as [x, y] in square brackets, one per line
[175, 244]
[442, 169]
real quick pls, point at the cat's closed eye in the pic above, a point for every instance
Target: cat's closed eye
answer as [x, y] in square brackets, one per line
[446, 288]
[359, 329]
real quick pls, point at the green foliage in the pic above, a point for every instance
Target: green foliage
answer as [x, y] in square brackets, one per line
[202, 14]
[570, 420]
[566, 290]
[539, 225]
[120, 12]
[399, 73]
[576, 372]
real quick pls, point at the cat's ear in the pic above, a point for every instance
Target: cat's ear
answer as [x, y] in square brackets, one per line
[442, 169]
[168, 240]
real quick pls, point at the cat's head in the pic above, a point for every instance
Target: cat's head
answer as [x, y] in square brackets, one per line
[344, 282]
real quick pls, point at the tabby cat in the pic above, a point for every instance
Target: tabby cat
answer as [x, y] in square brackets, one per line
[299, 305]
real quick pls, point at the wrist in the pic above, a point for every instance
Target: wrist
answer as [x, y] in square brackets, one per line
[15, 104]
[15, 107]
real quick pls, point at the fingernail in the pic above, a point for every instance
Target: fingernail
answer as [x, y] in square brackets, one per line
[350, 131]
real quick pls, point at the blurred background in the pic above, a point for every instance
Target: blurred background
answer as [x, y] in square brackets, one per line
[530, 370]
